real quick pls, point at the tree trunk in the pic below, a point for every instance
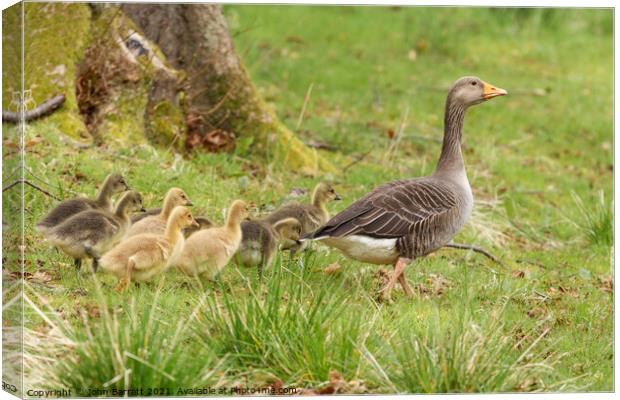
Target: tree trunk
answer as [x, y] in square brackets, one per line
[220, 99]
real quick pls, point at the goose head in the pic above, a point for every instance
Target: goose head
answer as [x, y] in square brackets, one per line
[183, 217]
[471, 90]
[131, 202]
[239, 210]
[323, 193]
[288, 229]
[177, 197]
[116, 183]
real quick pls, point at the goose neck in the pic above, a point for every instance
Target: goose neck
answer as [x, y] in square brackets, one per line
[167, 209]
[451, 158]
[172, 231]
[122, 210]
[105, 194]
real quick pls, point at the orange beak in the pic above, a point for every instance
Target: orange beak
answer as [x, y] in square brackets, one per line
[489, 91]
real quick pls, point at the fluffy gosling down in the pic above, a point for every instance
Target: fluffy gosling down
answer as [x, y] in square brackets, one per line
[157, 223]
[407, 219]
[311, 216]
[143, 256]
[260, 241]
[113, 184]
[93, 232]
[203, 223]
[207, 251]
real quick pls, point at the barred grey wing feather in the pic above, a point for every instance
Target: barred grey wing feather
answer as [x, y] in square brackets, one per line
[393, 210]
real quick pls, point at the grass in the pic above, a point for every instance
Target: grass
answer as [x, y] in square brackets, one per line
[539, 162]
[595, 222]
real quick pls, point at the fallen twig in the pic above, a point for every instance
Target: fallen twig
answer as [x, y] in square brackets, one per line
[73, 143]
[43, 109]
[480, 250]
[358, 159]
[321, 146]
[27, 182]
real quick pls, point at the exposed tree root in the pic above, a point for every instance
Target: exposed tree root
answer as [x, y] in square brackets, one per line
[43, 109]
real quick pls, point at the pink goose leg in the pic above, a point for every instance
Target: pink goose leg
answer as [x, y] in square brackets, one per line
[399, 268]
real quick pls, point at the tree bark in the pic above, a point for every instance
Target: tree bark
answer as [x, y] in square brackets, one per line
[218, 92]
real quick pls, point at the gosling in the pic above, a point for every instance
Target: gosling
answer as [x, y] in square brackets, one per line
[207, 251]
[113, 184]
[203, 223]
[93, 232]
[157, 223]
[260, 241]
[311, 216]
[143, 256]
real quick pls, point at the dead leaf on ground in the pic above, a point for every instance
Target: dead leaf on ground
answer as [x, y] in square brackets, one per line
[16, 274]
[518, 274]
[41, 276]
[297, 192]
[335, 378]
[535, 312]
[439, 283]
[421, 45]
[607, 284]
[93, 311]
[295, 39]
[9, 144]
[337, 385]
[78, 176]
[79, 292]
[332, 268]
[33, 142]
[569, 291]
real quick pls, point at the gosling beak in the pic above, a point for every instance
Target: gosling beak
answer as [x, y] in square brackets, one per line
[337, 197]
[195, 224]
[489, 91]
[189, 203]
[142, 209]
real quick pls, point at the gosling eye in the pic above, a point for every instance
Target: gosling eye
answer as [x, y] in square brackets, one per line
[474, 83]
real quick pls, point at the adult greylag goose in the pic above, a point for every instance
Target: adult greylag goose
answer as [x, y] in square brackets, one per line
[113, 183]
[311, 216]
[406, 219]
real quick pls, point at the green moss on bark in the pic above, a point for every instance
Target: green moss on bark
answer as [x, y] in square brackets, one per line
[54, 38]
[165, 124]
[124, 114]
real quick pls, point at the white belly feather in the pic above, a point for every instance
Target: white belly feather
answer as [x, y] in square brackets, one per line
[365, 248]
